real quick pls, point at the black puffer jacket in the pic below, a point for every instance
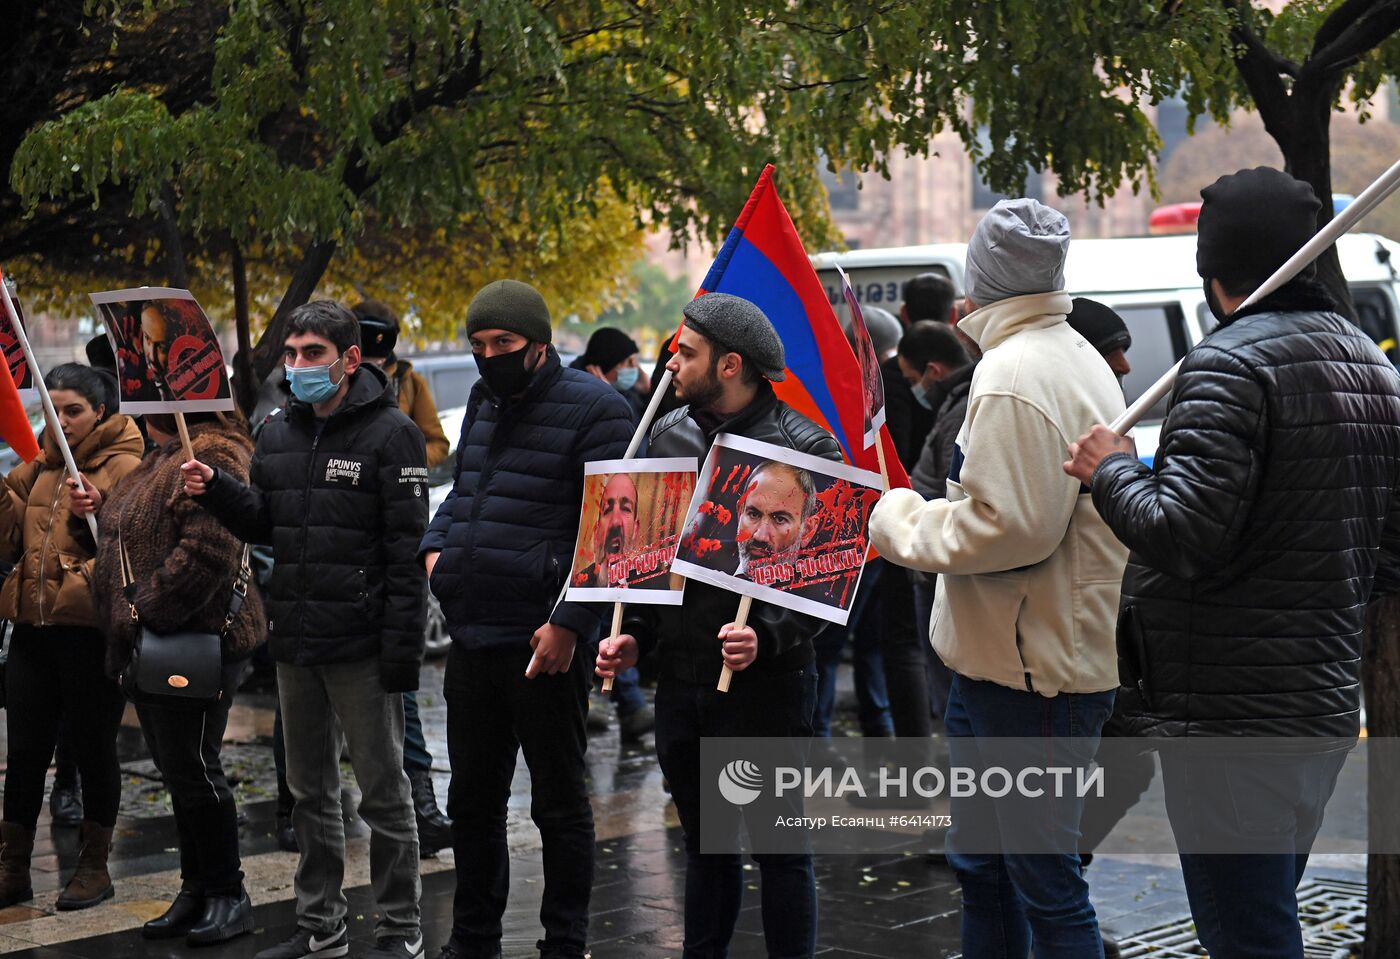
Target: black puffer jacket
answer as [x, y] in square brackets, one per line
[1256, 537]
[506, 531]
[344, 511]
[688, 634]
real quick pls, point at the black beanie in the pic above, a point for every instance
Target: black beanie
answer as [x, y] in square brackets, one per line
[608, 347]
[1103, 328]
[1251, 222]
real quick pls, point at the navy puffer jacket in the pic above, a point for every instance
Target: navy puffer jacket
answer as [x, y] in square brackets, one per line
[506, 531]
[1256, 540]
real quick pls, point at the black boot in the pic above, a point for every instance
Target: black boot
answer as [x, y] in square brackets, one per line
[434, 829]
[183, 913]
[224, 918]
[66, 800]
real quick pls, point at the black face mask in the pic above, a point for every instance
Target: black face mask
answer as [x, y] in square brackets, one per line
[1216, 310]
[505, 373]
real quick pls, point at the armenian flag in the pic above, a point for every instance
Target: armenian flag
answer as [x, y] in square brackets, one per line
[14, 422]
[763, 261]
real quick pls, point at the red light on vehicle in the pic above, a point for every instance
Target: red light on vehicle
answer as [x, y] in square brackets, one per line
[1176, 218]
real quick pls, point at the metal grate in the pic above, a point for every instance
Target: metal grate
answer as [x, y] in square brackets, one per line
[1332, 913]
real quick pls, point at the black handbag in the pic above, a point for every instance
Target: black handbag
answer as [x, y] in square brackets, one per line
[183, 669]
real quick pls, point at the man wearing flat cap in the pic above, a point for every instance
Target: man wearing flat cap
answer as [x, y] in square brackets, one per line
[497, 554]
[728, 355]
[1027, 586]
[1266, 523]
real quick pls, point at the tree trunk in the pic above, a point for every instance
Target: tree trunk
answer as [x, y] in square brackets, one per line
[245, 386]
[174, 242]
[1380, 678]
[269, 349]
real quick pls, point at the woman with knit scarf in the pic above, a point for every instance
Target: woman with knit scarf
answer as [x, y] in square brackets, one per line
[55, 670]
[184, 565]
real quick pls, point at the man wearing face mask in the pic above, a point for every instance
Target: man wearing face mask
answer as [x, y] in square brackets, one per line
[338, 487]
[497, 554]
[613, 357]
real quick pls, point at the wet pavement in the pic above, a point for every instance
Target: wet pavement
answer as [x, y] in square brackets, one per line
[890, 906]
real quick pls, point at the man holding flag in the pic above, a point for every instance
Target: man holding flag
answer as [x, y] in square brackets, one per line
[1269, 520]
[728, 355]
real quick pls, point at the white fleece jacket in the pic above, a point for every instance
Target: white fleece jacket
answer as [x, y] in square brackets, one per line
[1028, 596]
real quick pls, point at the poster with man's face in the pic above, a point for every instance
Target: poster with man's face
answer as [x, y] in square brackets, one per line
[872, 382]
[168, 358]
[627, 533]
[780, 526]
[14, 353]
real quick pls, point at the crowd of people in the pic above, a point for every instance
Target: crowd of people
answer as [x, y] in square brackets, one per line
[1037, 582]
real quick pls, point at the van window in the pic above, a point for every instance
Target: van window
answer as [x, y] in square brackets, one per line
[452, 386]
[1159, 340]
[877, 286]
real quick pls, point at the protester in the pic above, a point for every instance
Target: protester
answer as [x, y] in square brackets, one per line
[612, 356]
[379, 334]
[729, 353]
[55, 672]
[1105, 331]
[338, 487]
[185, 568]
[1254, 545]
[928, 296]
[939, 372]
[1028, 580]
[498, 553]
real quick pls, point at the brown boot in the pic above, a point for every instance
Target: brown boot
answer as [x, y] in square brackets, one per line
[90, 884]
[18, 846]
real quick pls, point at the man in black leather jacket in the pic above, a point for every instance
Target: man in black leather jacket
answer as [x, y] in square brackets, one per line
[1255, 547]
[729, 352]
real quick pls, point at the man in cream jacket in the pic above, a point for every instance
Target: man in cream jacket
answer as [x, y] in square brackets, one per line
[1028, 587]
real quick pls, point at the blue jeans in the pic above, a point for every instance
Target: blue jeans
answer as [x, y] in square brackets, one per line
[627, 693]
[871, 693]
[1013, 898]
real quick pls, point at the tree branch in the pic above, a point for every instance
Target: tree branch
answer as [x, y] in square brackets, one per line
[1259, 67]
[1364, 34]
[1243, 33]
[1337, 21]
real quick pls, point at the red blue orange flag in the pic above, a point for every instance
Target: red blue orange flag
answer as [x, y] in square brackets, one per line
[14, 422]
[763, 261]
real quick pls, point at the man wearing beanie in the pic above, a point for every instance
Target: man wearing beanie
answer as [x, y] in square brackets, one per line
[612, 356]
[728, 355]
[1105, 331]
[497, 554]
[1266, 524]
[1027, 588]
[379, 332]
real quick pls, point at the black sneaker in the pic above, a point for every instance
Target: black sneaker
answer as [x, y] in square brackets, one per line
[306, 943]
[397, 947]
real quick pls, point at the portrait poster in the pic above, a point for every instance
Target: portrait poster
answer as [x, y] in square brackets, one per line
[628, 530]
[14, 353]
[872, 381]
[780, 526]
[168, 358]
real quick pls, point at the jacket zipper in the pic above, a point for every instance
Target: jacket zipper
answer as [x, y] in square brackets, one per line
[305, 535]
[48, 535]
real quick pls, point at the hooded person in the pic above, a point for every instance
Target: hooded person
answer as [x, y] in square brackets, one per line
[1028, 583]
[1267, 522]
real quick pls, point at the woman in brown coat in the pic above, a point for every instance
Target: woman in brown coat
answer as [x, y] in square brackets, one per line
[55, 670]
[184, 565]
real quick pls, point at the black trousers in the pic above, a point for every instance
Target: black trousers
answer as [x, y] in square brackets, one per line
[905, 651]
[493, 712]
[56, 674]
[185, 744]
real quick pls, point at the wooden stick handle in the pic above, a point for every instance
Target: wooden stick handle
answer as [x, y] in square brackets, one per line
[741, 619]
[184, 435]
[880, 455]
[613, 634]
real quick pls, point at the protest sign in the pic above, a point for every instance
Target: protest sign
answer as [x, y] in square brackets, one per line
[872, 382]
[20, 370]
[779, 526]
[168, 358]
[628, 530]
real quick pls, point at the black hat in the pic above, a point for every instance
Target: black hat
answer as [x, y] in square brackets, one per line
[379, 328]
[607, 347]
[1251, 222]
[1103, 328]
[99, 353]
[738, 326]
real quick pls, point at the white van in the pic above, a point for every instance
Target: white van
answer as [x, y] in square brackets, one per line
[1150, 281]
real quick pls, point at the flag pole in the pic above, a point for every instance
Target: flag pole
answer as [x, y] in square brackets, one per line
[1367, 201]
[50, 414]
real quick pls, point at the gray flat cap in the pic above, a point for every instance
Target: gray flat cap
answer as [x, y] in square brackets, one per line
[739, 327]
[1019, 248]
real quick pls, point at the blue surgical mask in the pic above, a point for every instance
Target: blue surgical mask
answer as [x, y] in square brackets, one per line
[921, 395]
[312, 384]
[626, 378]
